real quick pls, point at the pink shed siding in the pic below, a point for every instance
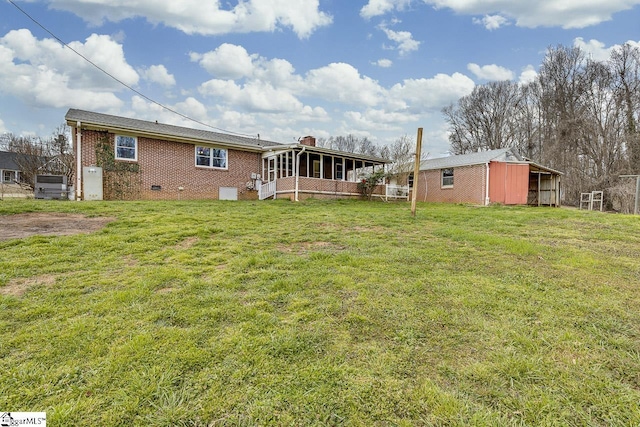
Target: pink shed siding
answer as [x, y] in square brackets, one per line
[171, 165]
[469, 185]
[508, 183]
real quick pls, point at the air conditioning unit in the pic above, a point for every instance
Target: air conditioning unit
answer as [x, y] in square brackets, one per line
[50, 187]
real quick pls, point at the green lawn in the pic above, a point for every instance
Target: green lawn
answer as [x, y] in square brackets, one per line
[323, 313]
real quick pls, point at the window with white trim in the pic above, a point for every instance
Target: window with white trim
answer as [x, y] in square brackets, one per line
[8, 176]
[126, 147]
[447, 177]
[211, 157]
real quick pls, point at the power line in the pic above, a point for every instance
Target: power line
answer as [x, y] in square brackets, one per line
[120, 81]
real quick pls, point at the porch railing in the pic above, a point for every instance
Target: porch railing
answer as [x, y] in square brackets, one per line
[267, 190]
[397, 191]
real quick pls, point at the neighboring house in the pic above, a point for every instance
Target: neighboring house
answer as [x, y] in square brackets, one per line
[9, 169]
[496, 176]
[150, 160]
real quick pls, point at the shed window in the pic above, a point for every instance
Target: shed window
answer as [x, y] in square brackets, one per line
[126, 147]
[447, 177]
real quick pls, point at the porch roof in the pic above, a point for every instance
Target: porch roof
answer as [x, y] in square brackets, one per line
[327, 151]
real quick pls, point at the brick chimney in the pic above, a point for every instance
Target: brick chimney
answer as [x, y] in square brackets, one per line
[308, 140]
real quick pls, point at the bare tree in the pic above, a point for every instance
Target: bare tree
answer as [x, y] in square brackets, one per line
[38, 156]
[485, 120]
[401, 152]
[625, 66]
[31, 156]
[350, 144]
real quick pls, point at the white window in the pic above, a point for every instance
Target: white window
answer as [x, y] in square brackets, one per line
[211, 157]
[447, 177]
[126, 147]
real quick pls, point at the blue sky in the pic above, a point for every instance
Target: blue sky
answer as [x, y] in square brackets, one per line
[286, 68]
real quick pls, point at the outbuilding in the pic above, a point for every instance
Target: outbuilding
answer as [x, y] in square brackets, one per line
[496, 176]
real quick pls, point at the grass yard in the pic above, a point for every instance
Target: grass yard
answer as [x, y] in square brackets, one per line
[323, 313]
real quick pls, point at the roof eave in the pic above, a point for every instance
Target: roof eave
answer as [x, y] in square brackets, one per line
[158, 135]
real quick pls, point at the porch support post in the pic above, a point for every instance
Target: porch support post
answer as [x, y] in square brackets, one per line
[297, 172]
[539, 190]
[416, 172]
[78, 150]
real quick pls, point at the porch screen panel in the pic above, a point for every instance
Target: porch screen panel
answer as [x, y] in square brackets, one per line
[327, 168]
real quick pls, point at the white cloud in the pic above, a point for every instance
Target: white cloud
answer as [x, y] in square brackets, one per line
[528, 75]
[278, 72]
[380, 119]
[193, 108]
[206, 17]
[159, 74]
[491, 72]
[343, 83]
[597, 50]
[540, 13]
[267, 96]
[228, 61]
[419, 95]
[403, 39]
[2, 128]
[380, 7]
[238, 120]
[254, 95]
[594, 48]
[383, 63]
[491, 22]
[43, 73]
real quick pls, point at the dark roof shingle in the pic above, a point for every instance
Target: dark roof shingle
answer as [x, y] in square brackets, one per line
[136, 125]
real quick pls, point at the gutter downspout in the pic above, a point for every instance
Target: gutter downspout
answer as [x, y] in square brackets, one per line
[304, 147]
[486, 199]
[78, 161]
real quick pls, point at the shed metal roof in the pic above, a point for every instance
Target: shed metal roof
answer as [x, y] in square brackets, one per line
[508, 155]
[481, 157]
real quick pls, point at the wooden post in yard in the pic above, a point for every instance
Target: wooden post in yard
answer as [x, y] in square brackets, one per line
[416, 173]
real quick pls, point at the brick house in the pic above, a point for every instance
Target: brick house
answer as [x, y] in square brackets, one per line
[496, 176]
[139, 159]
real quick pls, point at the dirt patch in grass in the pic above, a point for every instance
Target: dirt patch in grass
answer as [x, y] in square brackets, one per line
[48, 224]
[17, 287]
[187, 243]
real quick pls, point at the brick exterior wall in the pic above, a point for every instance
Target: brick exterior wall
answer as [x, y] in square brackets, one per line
[469, 186]
[171, 165]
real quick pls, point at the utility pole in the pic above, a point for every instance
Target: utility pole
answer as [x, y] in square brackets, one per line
[636, 209]
[416, 173]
